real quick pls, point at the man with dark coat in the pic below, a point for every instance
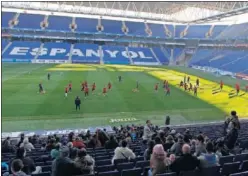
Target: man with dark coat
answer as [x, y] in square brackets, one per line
[77, 103]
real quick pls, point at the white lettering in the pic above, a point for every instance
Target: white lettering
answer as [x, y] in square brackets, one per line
[142, 55]
[112, 53]
[77, 52]
[19, 51]
[130, 54]
[90, 52]
[41, 52]
[55, 51]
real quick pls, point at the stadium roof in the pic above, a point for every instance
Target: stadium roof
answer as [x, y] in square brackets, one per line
[181, 12]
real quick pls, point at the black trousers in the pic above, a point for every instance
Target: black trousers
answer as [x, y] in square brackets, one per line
[77, 107]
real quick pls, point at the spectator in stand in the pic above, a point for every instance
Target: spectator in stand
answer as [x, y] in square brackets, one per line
[50, 145]
[159, 162]
[28, 163]
[16, 168]
[186, 162]
[55, 152]
[168, 143]
[144, 145]
[177, 147]
[208, 159]
[148, 131]
[27, 145]
[232, 135]
[157, 140]
[94, 142]
[85, 162]
[148, 151]
[63, 165]
[123, 152]
[220, 149]
[73, 153]
[57, 141]
[63, 140]
[21, 140]
[111, 143]
[102, 137]
[162, 136]
[234, 119]
[193, 145]
[6, 146]
[78, 143]
[187, 134]
[200, 146]
[128, 137]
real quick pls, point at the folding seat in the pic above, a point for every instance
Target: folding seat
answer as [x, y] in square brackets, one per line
[123, 166]
[139, 158]
[46, 168]
[230, 168]
[190, 173]
[117, 161]
[212, 171]
[42, 174]
[110, 173]
[225, 159]
[241, 157]
[244, 166]
[102, 157]
[168, 174]
[131, 172]
[103, 162]
[237, 174]
[142, 164]
[105, 168]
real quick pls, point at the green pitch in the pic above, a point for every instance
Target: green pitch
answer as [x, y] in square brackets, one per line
[23, 108]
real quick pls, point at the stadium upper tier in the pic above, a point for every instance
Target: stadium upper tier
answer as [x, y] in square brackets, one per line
[89, 25]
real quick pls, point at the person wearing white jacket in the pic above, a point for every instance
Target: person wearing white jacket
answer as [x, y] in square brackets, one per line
[27, 145]
[123, 152]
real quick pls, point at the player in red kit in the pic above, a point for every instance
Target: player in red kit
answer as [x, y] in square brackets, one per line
[66, 91]
[165, 83]
[156, 87]
[246, 88]
[190, 87]
[237, 88]
[167, 91]
[86, 91]
[93, 87]
[195, 90]
[109, 85]
[70, 87]
[85, 84]
[221, 85]
[104, 91]
[181, 84]
[185, 86]
[82, 86]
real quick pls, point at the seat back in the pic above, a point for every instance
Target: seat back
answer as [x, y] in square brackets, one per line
[230, 168]
[42, 174]
[190, 173]
[131, 172]
[241, 157]
[105, 168]
[103, 162]
[122, 166]
[226, 159]
[118, 161]
[142, 164]
[244, 166]
[110, 173]
[215, 170]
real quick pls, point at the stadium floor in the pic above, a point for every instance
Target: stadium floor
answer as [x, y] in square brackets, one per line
[25, 109]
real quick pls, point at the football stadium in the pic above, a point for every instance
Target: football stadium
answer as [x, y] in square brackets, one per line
[135, 73]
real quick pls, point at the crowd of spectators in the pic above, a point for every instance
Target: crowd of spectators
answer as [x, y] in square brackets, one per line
[167, 150]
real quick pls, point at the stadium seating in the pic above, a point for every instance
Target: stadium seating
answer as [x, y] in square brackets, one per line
[163, 58]
[6, 18]
[136, 28]
[197, 31]
[115, 55]
[85, 53]
[112, 26]
[29, 21]
[86, 25]
[157, 30]
[141, 55]
[59, 23]
[4, 43]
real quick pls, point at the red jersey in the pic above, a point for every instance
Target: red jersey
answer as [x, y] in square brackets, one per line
[104, 90]
[86, 89]
[93, 86]
[221, 83]
[168, 89]
[82, 84]
[156, 87]
[66, 89]
[246, 87]
[109, 85]
[70, 85]
[237, 87]
[85, 83]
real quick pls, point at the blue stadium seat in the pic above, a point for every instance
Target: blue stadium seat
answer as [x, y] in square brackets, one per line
[217, 30]
[157, 30]
[86, 25]
[105, 168]
[131, 172]
[178, 30]
[112, 26]
[142, 164]
[136, 28]
[55, 51]
[115, 55]
[122, 166]
[241, 157]
[42, 174]
[244, 166]
[240, 174]
[211, 171]
[29, 21]
[230, 168]
[168, 174]
[197, 31]
[103, 162]
[141, 55]
[46, 168]
[59, 23]
[110, 173]
[4, 44]
[6, 17]
[161, 56]
[177, 53]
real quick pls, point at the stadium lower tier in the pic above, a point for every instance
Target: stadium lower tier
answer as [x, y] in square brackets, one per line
[235, 61]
